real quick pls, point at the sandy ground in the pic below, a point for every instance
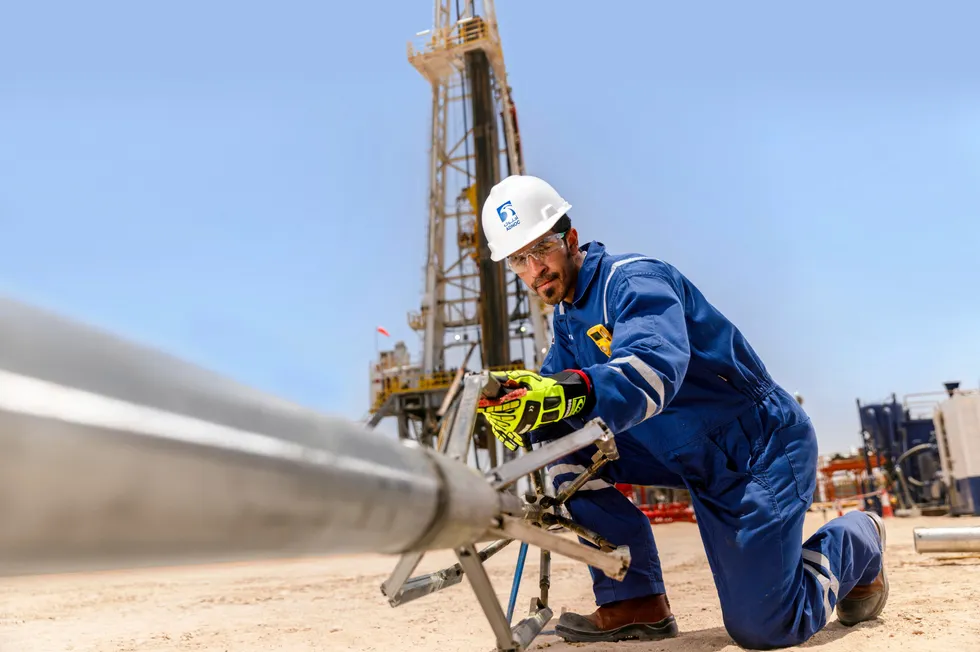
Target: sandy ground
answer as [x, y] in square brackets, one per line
[335, 604]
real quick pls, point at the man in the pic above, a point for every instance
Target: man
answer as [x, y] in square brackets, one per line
[692, 406]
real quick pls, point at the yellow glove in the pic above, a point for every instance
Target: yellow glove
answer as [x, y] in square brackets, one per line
[531, 401]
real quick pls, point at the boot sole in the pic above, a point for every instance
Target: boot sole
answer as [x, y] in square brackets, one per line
[666, 628]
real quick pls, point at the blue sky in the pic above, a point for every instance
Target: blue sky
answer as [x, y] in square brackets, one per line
[246, 187]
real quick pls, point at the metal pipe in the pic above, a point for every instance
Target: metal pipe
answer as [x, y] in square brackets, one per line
[114, 455]
[544, 577]
[423, 585]
[529, 628]
[947, 539]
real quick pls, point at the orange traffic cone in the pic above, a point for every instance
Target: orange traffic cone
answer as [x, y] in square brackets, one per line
[886, 504]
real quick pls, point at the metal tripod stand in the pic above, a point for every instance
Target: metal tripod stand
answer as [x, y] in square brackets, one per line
[527, 520]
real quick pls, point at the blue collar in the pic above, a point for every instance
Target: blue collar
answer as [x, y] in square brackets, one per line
[594, 251]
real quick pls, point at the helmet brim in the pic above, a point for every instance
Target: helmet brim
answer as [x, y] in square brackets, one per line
[538, 231]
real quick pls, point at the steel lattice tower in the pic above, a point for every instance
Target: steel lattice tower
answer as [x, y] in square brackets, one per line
[471, 306]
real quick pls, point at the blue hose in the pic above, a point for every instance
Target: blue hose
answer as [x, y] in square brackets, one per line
[517, 581]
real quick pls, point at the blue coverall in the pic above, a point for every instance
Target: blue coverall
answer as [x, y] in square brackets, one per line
[692, 406]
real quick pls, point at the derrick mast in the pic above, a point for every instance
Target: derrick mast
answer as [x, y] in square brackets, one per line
[474, 312]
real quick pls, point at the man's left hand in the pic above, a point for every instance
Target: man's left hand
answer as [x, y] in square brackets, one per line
[531, 401]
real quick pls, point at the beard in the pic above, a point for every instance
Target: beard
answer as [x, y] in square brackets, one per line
[552, 295]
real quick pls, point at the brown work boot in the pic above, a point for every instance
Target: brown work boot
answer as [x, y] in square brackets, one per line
[637, 619]
[866, 601]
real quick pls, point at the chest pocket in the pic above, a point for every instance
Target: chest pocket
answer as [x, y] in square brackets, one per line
[591, 345]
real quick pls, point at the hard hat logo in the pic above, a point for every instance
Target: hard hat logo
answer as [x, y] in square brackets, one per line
[508, 215]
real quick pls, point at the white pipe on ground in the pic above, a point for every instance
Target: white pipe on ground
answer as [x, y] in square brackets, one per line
[946, 539]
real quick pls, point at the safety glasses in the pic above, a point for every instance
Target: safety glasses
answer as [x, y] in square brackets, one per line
[518, 261]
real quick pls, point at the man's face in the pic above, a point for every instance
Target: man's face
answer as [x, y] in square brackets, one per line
[547, 266]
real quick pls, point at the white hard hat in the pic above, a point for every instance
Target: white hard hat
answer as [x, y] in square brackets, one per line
[519, 210]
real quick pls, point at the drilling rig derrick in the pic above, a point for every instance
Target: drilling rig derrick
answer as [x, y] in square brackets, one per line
[474, 311]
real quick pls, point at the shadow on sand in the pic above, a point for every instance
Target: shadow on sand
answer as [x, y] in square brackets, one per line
[714, 639]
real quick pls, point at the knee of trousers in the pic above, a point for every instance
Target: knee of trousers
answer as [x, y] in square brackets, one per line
[763, 638]
[766, 631]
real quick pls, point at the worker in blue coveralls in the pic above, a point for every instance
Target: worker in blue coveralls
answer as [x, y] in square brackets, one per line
[692, 406]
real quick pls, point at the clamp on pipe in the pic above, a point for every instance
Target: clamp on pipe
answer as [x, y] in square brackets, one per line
[532, 520]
